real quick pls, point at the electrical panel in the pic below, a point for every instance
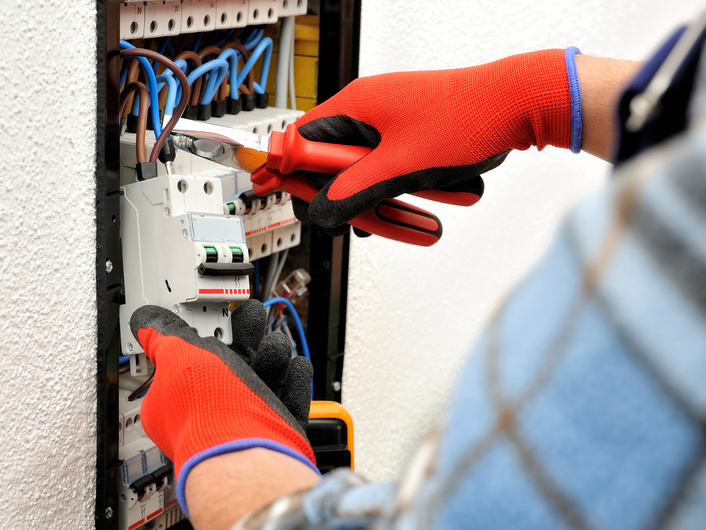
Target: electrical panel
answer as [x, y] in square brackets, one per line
[192, 231]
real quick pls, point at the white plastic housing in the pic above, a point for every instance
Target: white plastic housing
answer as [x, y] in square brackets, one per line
[262, 12]
[166, 223]
[132, 20]
[198, 15]
[162, 18]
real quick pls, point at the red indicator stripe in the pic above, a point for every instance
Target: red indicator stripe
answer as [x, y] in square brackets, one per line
[211, 291]
[153, 514]
[138, 523]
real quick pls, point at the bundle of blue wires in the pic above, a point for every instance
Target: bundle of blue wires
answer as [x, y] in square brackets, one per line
[151, 89]
[298, 323]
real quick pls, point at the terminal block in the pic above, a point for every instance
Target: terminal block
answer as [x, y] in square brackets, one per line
[181, 252]
[147, 487]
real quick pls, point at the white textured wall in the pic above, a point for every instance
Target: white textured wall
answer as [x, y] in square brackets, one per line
[47, 264]
[413, 312]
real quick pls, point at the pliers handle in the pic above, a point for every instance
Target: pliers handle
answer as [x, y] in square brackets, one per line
[392, 219]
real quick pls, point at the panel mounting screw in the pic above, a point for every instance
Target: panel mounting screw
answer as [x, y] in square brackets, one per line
[129, 346]
[108, 266]
[336, 386]
[108, 512]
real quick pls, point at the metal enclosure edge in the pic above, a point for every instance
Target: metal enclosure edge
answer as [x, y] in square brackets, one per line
[108, 261]
[339, 45]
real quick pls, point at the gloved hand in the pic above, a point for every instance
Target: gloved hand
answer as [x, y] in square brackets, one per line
[206, 400]
[441, 129]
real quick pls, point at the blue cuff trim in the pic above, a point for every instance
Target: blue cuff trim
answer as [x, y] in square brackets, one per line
[569, 57]
[231, 447]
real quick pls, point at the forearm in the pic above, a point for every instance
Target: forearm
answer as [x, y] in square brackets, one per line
[601, 83]
[222, 489]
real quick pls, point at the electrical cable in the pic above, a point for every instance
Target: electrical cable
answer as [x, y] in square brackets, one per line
[264, 46]
[141, 131]
[228, 35]
[182, 101]
[254, 37]
[233, 74]
[197, 41]
[208, 67]
[300, 328]
[280, 267]
[297, 321]
[292, 91]
[171, 85]
[281, 72]
[151, 83]
[144, 386]
[162, 48]
[272, 264]
[196, 89]
[214, 79]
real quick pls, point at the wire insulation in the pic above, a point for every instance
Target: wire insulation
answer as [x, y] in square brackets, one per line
[182, 101]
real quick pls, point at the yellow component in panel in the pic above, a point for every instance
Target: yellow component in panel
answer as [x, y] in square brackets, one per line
[331, 429]
[306, 71]
[306, 39]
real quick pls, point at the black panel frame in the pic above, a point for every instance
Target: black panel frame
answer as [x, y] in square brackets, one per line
[339, 46]
[108, 260]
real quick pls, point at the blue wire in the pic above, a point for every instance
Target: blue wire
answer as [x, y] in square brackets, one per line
[254, 38]
[228, 36]
[123, 73]
[182, 64]
[265, 46]
[214, 81]
[123, 359]
[163, 46]
[152, 89]
[232, 56]
[300, 328]
[197, 72]
[297, 321]
[171, 92]
[197, 42]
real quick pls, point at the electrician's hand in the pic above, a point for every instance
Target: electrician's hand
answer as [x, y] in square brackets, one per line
[206, 400]
[440, 129]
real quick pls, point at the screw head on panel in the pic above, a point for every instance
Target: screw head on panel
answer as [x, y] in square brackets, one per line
[108, 266]
[108, 512]
[336, 386]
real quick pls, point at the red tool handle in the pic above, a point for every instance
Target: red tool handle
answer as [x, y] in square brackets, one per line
[290, 151]
[391, 219]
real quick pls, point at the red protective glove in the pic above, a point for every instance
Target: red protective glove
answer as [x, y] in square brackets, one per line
[206, 400]
[441, 129]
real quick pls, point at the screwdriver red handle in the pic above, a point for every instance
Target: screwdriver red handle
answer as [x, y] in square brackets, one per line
[290, 151]
[391, 219]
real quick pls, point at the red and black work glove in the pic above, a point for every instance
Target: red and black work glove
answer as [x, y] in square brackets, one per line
[206, 399]
[441, 129]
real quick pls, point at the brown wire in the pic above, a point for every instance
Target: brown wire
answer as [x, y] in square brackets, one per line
[196, 88]
[185, 89]
[125, 101]
[210, 50]
[140, 389]
[250, 79]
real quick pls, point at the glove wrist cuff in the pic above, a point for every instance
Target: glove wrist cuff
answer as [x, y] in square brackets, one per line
[230, 447]
[575, 91]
